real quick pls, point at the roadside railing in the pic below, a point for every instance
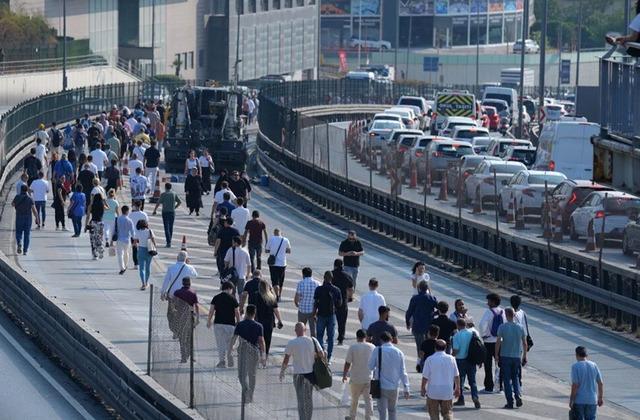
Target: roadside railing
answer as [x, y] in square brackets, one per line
[51, 64]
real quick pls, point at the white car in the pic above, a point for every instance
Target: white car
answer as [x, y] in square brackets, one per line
[370, 43]
[528, 186]
[449, 124]
[616, 208]
[379, 132]
[530, 47]
[468, 133]
[409, 119]
[482, 178]
[480, 144]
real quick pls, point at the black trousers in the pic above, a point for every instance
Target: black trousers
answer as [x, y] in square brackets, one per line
[488, 366]
[341, 317]
[267, 332]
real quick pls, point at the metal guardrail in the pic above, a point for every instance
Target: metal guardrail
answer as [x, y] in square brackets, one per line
[51, 64]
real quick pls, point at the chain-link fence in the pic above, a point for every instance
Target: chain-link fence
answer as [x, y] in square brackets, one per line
[194, 363]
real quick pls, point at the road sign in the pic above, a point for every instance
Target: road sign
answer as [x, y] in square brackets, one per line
[430, 64]
[565, 72]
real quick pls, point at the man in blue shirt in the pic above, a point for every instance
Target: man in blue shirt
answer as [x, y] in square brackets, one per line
[460, 344]
[420, 314]
[585, 375]
[511, 346]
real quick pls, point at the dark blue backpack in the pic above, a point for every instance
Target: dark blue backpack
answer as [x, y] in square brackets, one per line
[496, 322]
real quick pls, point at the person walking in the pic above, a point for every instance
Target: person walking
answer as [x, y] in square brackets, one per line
[239, 187]
[520, 318]
[224, 307]
[112, 175]
[447, 326]
[460, 311]
[587, 387]
[59, 200]
[25, 208]
[440, 371]
[267, 312]
[139, 185]
[147, 248]
[250, 350]
[419, 315]
[351, 250]
[369, 304]
[23, 180]
[100, 159]
[511, 350]
[343, 282]
[224, 241]
[169, 201]
[491, 320]
[109, 218]
[193, 192]
[219, 197]
[238, 258]
[186, 317]
[191, 163]
[250, 291]
[278, 246]
[151, 162]
[32, 166]
[85, 178]
[379, 327]
[357, 371]
[418, 274]
[466, 368]
[40, 189]
[206, 164]
[254, 231]
[172, 282]
[123, 235]
[94, 225]
[240, 215]
[303, 350]
[326, 299]
[77, 209]
[388, 365]
[304, 300]
[428, 346]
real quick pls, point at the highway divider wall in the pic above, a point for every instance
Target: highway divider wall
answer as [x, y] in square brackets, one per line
[97, 362]
[594, 287]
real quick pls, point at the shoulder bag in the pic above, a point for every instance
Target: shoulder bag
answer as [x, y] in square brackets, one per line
[150, 245]
[529, 339]
[374, 388]
[272, 257]
[321, 371]
[231, 274]
[166, 293]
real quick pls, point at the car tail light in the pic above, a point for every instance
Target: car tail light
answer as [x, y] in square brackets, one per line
[402, 149]
[573, 199]
[488, 181]
[466, 174]
[419, 153]
[599, 214]
[529, 192]
[437, 154]
[552, 166]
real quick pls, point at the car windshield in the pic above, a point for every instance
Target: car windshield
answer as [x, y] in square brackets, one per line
[490, 112]
[504, 97]
[540, 179]
[525, 156]
[499, 106]
[407, 141]
[469, 134]
[505, 144]
[505, 169]
[410, 101]
[455, 150]
[622, 205]
[385, 125]
[481, 141]
[452, 125]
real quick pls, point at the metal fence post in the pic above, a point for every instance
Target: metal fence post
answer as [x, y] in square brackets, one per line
[191, 342]
[346, 157]
[328, 154]
[150, 330]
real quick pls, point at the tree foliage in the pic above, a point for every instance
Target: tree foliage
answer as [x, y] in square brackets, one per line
[19, 31]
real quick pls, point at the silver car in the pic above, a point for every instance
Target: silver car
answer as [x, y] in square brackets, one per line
[442, 152]
[484, 182]
[468, 165]
[380, 131]
[418, 155]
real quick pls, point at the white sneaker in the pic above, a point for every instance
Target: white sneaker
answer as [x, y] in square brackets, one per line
[57, 228]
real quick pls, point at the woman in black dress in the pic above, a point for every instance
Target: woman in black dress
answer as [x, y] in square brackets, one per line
[193, 190]
[267, 312]
[59, 199]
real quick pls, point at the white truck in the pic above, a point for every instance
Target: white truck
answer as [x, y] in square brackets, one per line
[511, 77]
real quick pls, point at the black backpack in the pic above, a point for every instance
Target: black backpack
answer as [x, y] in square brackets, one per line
[55, 137]
[477, 351]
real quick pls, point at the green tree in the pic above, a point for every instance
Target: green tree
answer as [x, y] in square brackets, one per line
[19, 31]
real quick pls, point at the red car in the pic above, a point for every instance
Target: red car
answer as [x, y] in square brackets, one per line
[492, 115]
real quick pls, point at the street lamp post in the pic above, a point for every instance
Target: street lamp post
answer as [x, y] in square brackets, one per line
[359, 33]
[578, 46]
[543, 48]
[477, 46]
[153, 38]
[525, 22]
[64, 44]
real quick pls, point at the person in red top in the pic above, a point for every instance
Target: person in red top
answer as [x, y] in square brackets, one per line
[254, 231]
[187, 307]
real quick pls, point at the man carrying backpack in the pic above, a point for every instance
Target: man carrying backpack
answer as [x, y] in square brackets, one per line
[491, 320]
[467, 359]
[56, 138]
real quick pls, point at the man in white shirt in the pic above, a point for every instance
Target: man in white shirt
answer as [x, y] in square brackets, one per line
[439, 372]
[41, 152]
[388, 365]
[304, 299]
[488, 328]
[92, 166]
[279, 247]
[100, 159]
[40, 189]
[42, 135]
[218, 197]
[369, 304]
[303, 351]
[24, 180]
[239, 258]
[240, 215]
[134, 164]
[140, 186]
[356, 363]
[173, 281]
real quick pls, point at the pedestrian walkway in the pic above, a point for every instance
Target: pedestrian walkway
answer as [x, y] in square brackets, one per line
[115, 306]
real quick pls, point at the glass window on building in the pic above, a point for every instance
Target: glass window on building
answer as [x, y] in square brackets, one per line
[220, 7]
[299, 3]
[460, 31]
[276, 4]
[370, 28]
[510, 28]
[191, 60]
[252, 6]
[477, 30]
[495, 29]
[335, 33]
[422, 32]
[288, 4]
[264, 5]
[442, 32]
[478, 4]
[201, 56]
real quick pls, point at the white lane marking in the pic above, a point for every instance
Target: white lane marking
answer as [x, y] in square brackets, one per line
[42, 372]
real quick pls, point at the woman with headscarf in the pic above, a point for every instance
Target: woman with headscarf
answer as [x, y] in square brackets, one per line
[193, 190]
[95, 225]
[59, 198]
[223, 177]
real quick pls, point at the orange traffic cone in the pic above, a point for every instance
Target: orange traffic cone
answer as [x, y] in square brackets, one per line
[444, 194]
[413, 181]
[591, 239]
[156, 191]
[477, 203]
[183, 247]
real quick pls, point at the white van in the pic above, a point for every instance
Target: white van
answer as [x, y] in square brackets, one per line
[506, 94]
[361, 75]
[565, 146]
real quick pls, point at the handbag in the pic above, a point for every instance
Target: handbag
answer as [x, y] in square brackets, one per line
[212, 232]
[152, 250]
[272, 258]
[374, 388]
[231, 274]
[529, 339]
[321, 372]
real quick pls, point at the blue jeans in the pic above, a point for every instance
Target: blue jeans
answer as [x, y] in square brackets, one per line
[585, 411]
[328, 323]
[77, 225]
[509, 366]
[167, 220]
[41, 207]
[144, 264]
[353, 272]
[467, 369]
[23, 230]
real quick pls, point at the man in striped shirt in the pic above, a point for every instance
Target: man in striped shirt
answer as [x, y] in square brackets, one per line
[304, 299]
